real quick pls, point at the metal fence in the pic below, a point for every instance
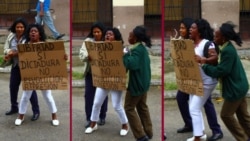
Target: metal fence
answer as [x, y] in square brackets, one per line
[175, 10]
[86, 12]
[11, 9]
[245, 19]
[152, 17]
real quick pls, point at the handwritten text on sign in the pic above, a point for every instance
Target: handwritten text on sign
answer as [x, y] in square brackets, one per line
[107, 66]
[187, 71]
[42, 66]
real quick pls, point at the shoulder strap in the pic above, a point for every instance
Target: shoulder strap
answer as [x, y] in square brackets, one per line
[205, 50]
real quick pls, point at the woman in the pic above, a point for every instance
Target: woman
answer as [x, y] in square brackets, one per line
[234, 83]
[200, 33]
[136, 60]
[112, 34]
[96, 34]
[16, 36]
[183, 98]
[35, 34]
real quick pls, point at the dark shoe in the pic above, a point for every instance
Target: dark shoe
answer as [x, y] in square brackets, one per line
[184, 130]
[101, 122]
[10, 112]
[60, 36]
[35, 117]
[144, 138]
[87, 124]
[215, 137]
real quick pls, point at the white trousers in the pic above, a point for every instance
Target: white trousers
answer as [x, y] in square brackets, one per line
[196, 104]
[47, 97]
[116, 97]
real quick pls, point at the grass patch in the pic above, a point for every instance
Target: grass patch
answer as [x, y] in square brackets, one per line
[77, 75]
[170, 86]
[1, 60]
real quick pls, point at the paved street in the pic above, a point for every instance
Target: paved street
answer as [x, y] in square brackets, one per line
[173, 121]
[40, 130]
[110, 131]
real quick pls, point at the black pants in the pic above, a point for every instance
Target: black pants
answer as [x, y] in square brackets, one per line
[15, 80]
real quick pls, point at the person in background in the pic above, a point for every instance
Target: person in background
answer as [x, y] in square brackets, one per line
[43, 15]
[36, 34]
[96, 33]
[234, 82]
[200, 33]
[112, 34]
[16, 36]
[183, 98]
[137, 62]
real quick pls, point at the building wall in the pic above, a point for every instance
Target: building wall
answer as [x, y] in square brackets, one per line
[61, 16]
[220, 11]
[127, 15]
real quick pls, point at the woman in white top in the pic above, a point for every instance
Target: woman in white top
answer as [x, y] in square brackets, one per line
[200, 33]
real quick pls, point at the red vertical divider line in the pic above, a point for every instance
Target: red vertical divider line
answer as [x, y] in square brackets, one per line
[162, 67]
[70, 72]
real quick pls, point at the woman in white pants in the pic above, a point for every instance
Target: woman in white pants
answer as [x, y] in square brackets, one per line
[24, 104]
[116, 95]
[35, 34]
[200, 33]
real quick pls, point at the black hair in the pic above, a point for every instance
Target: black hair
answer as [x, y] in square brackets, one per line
[117, 33]
[227, 31]
[141, 35]
[40, 29]
[204, 28]
[18, 20]
[97, 25]
[187, 22]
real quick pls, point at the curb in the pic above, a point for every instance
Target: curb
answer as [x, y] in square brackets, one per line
[81, 83]
[215, 94]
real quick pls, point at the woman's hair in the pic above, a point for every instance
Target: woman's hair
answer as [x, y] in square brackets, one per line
[117, 33]
[227, 31]
[141, 35]
[204, 28]
[97, 25]
[40, 30]
[18, 20]
[187, 22]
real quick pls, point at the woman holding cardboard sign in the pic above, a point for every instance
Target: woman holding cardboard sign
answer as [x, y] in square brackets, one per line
[200, 33]
[96, 34]
[112, 34]
[35, 34]
[16, 36]
[183, 98]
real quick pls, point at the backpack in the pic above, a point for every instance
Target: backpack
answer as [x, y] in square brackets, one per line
[205, 50]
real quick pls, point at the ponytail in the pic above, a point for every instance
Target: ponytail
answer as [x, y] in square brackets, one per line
[227, 30]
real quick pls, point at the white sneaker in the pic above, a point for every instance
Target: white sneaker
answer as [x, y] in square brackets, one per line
[19, 121]
[55, 122]
[124, 132]
[203, 138]
[89, 130]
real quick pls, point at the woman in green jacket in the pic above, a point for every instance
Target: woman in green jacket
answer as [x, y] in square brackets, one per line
[136, 61]
[234, 83]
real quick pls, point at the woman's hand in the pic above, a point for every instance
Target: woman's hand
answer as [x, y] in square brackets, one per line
[199, 59]
[65, 57]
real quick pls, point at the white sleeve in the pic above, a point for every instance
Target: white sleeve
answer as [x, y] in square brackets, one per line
[83, 54]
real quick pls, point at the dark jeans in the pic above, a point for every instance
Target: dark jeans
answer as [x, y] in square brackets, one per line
[15, 80]
[182, 100]
[89, 99]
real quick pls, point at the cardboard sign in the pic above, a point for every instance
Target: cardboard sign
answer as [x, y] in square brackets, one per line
[43, 66]
[188, 76]
[107, 66]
